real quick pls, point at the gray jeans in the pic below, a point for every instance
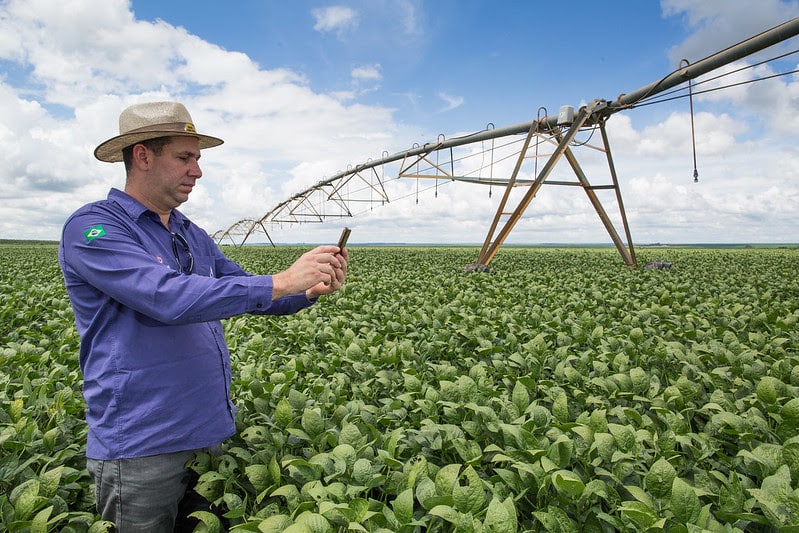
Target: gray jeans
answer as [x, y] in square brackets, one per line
[141, 494]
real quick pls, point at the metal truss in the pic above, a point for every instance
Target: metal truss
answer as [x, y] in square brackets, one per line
[477, 157]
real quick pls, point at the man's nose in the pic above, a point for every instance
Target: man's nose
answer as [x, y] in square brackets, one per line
[195, 171]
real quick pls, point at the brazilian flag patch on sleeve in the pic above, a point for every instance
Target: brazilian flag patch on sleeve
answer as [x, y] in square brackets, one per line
[94, 232]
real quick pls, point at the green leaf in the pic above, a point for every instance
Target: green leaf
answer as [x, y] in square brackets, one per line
[732, 420]
[568, 483]
[290, 493]
[209, 522]
[345, 453]
[640, 494]
[256, 434]
[790, 413]
[390, 442]
[274, 470]
[660, 477]
[468, 450]
[275, 524]
[780, 503]
[640, 380]
[624, 436]
[598, 421]
[685, 503]
[556, 520]
[605, 445]
[259, 476]
[511, 435]
[297, 399]
[236, 505]
[314, 522]
[426, 492]
[501, 516]
[561, 451]
[520, 397]
[102, 526]
[358, 510]
[412, 383]
[560, 408]
[39, 522]
[403, 506]
[469, 498]
[15, 409]
[284, 414]
[467, 388]
[446, 512]
[790, 454]
[596, 487]
[25, 498]
[731, 495]
[354, 351]
[49, 481]
[312, 422]
[768, 389]
[447, 478]
[641, 514]
[350, 434]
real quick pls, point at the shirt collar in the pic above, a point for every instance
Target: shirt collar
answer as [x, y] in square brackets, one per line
[136, 209]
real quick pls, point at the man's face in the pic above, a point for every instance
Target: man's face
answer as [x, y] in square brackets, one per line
[173, 174]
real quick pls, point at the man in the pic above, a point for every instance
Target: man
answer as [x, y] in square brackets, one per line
[149, 288]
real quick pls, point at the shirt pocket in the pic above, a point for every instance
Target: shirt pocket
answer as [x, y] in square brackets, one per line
[204, 265]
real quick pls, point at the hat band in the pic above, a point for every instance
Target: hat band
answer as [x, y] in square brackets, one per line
[177, 127]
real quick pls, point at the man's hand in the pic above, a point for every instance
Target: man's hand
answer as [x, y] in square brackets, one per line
[317, 272]
[336, 281]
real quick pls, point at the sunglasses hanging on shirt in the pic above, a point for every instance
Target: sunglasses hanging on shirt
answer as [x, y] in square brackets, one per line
[178, 239]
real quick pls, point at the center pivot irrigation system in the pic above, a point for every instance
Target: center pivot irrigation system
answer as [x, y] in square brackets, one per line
[473, 159]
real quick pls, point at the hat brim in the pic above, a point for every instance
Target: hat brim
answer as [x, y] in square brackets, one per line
[111, 150]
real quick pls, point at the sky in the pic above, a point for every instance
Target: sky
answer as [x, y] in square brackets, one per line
[301, 90]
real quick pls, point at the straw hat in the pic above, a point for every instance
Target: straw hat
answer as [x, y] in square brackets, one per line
[141, 122]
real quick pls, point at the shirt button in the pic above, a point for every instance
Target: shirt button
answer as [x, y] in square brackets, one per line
[259, 305]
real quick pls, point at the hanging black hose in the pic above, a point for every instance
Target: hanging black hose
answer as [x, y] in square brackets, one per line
[693, 133]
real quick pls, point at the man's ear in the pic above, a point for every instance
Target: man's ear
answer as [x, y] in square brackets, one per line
[141, 156]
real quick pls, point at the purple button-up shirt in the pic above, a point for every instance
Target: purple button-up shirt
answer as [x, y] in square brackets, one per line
[155, 364]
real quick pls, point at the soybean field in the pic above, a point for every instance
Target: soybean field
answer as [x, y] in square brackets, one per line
[562, 391]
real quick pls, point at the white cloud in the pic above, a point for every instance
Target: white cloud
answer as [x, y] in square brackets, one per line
[334, 18]
[68, 70]
[452, 102]
[409, 16]
[95, 62]
[717, 24]
[367, 72]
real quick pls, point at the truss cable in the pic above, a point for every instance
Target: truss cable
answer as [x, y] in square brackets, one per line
[382, 179]
[435, 194]
[416, 145]
[693, 131]
[451, 164]
[417, 182]
[441, 139]
[538, 139]
[491, 164]
[371, 184]
[649, 100]
[482, 165]
[741, 69]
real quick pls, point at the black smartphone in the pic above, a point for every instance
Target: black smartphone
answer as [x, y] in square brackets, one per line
[342, 240]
